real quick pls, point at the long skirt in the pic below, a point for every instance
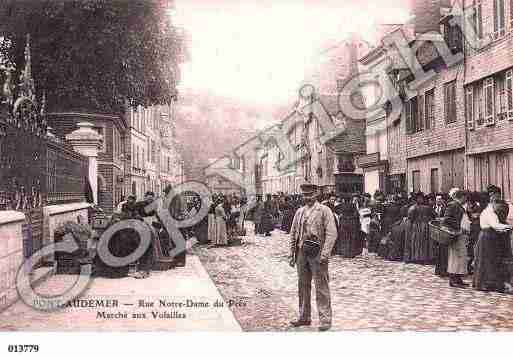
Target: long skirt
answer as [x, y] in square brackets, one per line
[408, 237]
[221, 233]
[286, 224]
[374, 237]
[397, 236]
[267, 224]
[421, 251]
[241, 219]
[441, 260]
[457, 263]
[212, 228]
[258, 227]
[490, 252]
[349, 243]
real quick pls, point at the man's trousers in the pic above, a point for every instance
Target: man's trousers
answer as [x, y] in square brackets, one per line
[306, 269]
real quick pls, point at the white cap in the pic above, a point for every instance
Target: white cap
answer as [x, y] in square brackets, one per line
[453, 191]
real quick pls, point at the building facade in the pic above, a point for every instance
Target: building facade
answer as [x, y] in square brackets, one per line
[488, 88]
[155, 158]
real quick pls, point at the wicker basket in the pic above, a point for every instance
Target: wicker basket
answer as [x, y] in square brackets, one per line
[441, 234]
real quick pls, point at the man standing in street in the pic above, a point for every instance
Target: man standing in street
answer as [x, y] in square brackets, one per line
[312, 237]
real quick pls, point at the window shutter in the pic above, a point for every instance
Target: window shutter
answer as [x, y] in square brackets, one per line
[414, 114]
[420, 119]
[502, 16]
[489, 101]
[469, 106]
[495, 17]
[511, 12]
[453, 102]
[407, 113]
[446, 104]
[508, 87]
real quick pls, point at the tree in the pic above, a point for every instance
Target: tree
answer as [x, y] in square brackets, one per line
[96, 54]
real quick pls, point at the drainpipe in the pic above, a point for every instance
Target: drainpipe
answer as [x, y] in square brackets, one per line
[465, 161]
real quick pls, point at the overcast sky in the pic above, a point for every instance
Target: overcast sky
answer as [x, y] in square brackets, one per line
[258, 50]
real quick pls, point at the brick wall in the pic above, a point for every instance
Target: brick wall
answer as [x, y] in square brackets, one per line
[449, 166]
[397, 146]
[444, 136]
[498, 55]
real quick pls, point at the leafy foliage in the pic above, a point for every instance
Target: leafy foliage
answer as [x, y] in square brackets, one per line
[96, 54]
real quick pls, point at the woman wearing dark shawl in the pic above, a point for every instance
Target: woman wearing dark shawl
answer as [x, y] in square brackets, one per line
[391, 215]
[350, 240]
[267, 216]
[419, 247]
[492, 247]
[258, 213]
[397, 236]
[288, 214]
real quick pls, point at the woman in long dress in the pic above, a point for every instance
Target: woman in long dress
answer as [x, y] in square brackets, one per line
[221, 217]
[456, 219]
[212, 226]
[288, 214]
[267, 217]
[397, 236]
[420, 245]
[258, 213]
[350, 241]
[492, 247]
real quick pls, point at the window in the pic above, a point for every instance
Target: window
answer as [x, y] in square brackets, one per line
[478, 104]
[489, 101]
[498, 18]
[450, 102]
[411, 115]
[434, 180]
[500, 95]
[415, 176]
[453, 37]
[429, 108]
[420, 119]
[133, 156]
[469, 106]
[508, 86]
[478, 18]
[153, 151]
[101, 132]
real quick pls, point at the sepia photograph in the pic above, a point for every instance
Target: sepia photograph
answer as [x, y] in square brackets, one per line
[235, 166]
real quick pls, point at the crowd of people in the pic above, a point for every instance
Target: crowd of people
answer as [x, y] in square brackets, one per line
[396, 228]
[226, 217]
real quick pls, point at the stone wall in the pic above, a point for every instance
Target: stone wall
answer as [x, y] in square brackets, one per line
[11, 255]
[11, 245]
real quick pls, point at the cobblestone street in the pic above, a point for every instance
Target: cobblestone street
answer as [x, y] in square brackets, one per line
[368, 293]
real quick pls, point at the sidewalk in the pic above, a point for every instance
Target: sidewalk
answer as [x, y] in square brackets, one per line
[186, 291]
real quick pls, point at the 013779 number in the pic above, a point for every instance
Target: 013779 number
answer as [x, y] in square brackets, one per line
[23, 348]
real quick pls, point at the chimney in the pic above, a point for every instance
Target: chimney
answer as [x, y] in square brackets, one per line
[426, 15]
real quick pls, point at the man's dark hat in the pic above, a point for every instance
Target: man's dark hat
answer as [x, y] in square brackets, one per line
[308, 189]
[493, 189]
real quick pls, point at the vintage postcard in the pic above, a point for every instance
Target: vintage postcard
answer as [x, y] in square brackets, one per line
[255, 166]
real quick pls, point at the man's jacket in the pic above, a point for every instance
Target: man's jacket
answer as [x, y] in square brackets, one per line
[320, 223]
